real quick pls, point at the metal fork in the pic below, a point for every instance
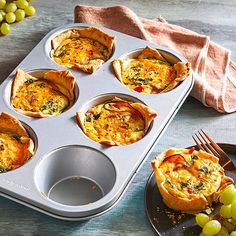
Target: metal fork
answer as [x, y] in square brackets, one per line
[207, 144]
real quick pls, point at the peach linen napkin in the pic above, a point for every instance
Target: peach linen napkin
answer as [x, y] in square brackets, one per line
[213, 71]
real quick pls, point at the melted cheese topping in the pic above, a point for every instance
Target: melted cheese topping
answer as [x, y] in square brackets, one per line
[79, 51]
[12, 154]
[40, 95]
[115, 121]
[148, 75]
[190, 175]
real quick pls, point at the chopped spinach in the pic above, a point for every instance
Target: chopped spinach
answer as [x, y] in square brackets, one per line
[96, 116]
[142, 80]
[88, 118]
[194, 157]
[169, 183]
[204, 169]
[29, 81]
[42, 85]
[199, 186]
[47, 106]
[183, 184]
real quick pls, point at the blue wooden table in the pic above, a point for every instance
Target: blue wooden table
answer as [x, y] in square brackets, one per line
[216, 19]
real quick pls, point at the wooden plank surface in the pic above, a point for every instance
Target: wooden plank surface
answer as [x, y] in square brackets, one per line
[210, 17]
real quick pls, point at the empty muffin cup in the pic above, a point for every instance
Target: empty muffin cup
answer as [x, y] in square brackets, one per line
[75, 175]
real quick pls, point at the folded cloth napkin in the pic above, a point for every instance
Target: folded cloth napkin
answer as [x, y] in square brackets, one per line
[213, 71]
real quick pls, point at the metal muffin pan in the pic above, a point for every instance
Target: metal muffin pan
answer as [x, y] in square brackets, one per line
[70, 176]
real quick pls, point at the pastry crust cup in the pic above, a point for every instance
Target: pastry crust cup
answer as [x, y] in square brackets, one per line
[11, 126]
[87, 32]
[147, 113]
[192, 203]
[182, 69]
[63, 80]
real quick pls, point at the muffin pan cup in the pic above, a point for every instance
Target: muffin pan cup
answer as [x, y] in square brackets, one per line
[65, 153]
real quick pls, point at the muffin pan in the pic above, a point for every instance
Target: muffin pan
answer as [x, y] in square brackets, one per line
[70, 176]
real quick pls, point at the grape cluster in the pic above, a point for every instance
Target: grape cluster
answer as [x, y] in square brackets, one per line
[13, 11]
[224, 222]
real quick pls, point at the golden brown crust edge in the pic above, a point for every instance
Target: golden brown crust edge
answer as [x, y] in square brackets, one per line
[57, 40]
[64, 80]
[183, 71]
[116, 64]
[98, 35]
[193, 204]
[147, 113]
[90, 68]
[150, 53]
[10, 125]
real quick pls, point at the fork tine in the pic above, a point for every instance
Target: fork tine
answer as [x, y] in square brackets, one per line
[214, 144]
[207, 140]
[197, 142]
[223, 156]
[207, 144]
[224, 159]
[202, 145]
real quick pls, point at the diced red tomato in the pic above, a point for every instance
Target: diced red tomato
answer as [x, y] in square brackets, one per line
[139, 89]
[191, 150]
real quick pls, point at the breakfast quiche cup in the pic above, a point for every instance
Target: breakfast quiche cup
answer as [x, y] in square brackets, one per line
[84, 49]
[42, 97]
[189, 180]
[16, 147]
[116, 122]
[150, 72]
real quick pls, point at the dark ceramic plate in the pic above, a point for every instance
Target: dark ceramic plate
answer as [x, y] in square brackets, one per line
[168, 222]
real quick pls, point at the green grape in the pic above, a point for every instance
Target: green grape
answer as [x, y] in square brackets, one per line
[5, 28]
[20, 14]
[1, 18]
[30, 11]
[2, 4]
[223, 232]
[233, 233]
[22, 4]
[11, 7]
[202, 219]
[212, 227]
[3, 13]
[233, 210]
[10, 17]
[225, 211]
[228, 195]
